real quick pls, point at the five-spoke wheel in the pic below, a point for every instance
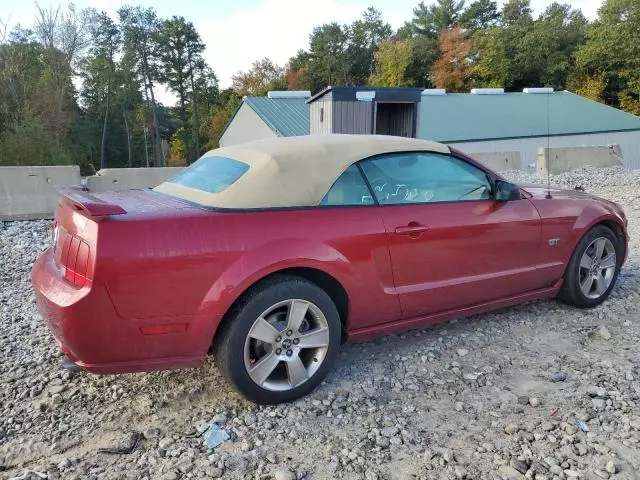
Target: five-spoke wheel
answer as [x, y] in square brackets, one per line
[597, 267]
[593, 268]
[286, 345]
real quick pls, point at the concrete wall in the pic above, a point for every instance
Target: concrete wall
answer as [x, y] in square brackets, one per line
[528, 147]
[499, 161]
[245, 127]
[115, 179]
[559, 160]
[29, 192]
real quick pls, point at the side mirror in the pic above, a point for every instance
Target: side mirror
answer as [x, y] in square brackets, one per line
[505, 191]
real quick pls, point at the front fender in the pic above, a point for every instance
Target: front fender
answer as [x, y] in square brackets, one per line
[592, 216]
[272, 257]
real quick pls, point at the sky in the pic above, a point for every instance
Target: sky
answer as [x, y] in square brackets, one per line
[238, 32]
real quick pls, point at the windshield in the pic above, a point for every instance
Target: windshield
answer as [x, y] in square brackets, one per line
[211, 174]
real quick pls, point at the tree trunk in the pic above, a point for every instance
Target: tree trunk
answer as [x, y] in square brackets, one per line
[195, 110]
[126, 127]
[183, 117]
[146, 96]
[158, 142]
[156, 129]
[103, 143]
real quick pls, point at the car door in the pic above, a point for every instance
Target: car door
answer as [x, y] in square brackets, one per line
[451, 244]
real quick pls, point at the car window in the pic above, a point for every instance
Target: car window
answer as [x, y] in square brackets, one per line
[349, 189]
[212, 174]
[424, 177]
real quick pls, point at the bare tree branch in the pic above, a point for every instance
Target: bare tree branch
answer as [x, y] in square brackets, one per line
[4, 30]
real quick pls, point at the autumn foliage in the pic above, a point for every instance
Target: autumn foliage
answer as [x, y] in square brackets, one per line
[453, 70]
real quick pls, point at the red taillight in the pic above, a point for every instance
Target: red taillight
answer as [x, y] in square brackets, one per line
[74, 259]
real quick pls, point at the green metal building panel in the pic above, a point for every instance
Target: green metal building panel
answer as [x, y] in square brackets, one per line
[463, 117]
[287, 117]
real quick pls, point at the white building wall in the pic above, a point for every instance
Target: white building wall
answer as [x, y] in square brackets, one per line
[321, 116]
[528, 147]
[245, 127]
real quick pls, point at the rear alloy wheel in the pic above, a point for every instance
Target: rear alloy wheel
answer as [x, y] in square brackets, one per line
[593, 269]
[280, 342]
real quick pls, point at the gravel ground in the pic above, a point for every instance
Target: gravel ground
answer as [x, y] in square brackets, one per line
[498, 396]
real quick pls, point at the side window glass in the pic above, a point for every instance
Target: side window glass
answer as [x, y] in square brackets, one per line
[349, 189]
[424, 177]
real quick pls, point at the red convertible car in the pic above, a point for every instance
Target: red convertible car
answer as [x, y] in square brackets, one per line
[270, 254]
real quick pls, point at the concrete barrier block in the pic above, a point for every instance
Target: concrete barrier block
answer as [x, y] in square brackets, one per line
[116, 179]
[499, 161]
[565, 159]
[28, 193]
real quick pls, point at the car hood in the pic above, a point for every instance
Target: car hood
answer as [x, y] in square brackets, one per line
[541, 191]
[537, 192]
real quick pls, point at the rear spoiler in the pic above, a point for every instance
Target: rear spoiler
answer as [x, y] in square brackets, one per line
[82, 199]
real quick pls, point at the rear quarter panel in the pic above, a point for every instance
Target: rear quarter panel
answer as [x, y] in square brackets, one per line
[197, 264]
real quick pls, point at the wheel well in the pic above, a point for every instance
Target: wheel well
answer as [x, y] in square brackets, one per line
[323, 280]
[617, 230]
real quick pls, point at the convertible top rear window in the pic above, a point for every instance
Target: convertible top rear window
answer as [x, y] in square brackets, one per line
[212, 174]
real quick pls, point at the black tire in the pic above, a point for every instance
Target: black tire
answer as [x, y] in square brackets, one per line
[229, 344]
[571, 292]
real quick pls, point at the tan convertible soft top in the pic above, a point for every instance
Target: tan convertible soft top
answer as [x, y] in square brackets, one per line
[294, 171]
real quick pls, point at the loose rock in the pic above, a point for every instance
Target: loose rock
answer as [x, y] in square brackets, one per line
[398, 406]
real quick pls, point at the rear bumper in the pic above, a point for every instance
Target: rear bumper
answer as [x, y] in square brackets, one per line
[90, 333]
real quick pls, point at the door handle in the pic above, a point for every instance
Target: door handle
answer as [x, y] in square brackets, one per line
[414, 229]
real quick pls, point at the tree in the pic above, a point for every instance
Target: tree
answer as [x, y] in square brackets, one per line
[99, 70]
[36, 114]
[481, 14]
[177, 149]
[298, 71]
[63, 34]
[453, 70]
[47, 117]
[590, 87]
[430, 20]
[516, 11]
[496, 48]
[181, 52]
[524, 53]
[261, 77]
[63, 30]
[363, 38]
[328, 60]
[392, 60]
[424, 53]
[197, 68]
[612, 52]
[221, 117]
[140, 28]
[545, 53]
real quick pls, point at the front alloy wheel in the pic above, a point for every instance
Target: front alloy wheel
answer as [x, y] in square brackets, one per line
[280, 341]
[593, 268]
[597, 268]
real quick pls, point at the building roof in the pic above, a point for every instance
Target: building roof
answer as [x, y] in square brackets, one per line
[382, 94]
[291, 172]
[464, 117]
[287, 117]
